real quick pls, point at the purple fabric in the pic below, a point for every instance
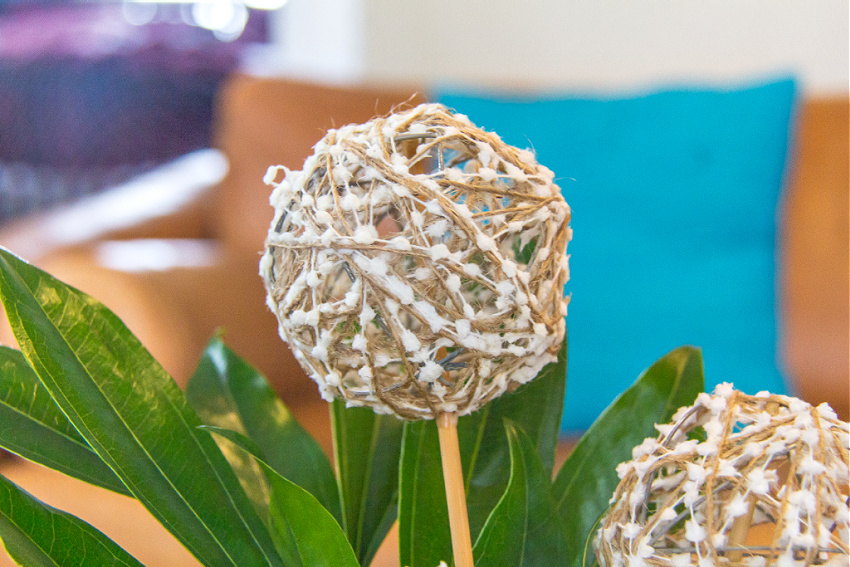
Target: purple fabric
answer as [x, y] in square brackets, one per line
[25, 188]
[86, 98]
[152, 105]
[79, 87]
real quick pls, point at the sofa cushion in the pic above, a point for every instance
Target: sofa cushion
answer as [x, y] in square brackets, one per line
[272, 121]
[674, 197]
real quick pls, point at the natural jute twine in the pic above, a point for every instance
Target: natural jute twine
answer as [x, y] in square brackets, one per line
[731, 464]
[417, 264]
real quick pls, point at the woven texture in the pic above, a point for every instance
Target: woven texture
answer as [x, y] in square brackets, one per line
[417, 263]
[734, 480]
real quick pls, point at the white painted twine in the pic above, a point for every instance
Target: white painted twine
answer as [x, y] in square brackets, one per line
[392, 264]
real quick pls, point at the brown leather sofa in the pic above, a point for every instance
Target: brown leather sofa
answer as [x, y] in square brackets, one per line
[216, 233]
[213, 225]
[261, 122]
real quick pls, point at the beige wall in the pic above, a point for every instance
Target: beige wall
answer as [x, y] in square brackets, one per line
[584, 44]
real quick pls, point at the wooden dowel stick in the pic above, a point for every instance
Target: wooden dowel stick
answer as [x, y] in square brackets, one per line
[741, 526]
[455, 496]
[738, 532]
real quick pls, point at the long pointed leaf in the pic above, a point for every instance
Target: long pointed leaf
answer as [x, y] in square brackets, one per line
[37, 535]
[300, 523]
[485, 455]
[133, 415]
[367, 448]
[524, 529]
[588, 478]
[535, 407]
[32, 426]
[227, 392]
[304, 531]
[423, 517]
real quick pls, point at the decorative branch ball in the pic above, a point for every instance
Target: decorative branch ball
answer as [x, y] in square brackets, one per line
[734, 480]
[417, 263]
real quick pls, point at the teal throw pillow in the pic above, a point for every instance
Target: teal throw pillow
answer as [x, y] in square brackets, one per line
[674, 198]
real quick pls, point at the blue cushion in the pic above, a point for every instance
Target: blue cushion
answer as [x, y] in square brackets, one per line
[674, 197]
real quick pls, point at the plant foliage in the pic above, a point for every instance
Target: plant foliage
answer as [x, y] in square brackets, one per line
[227, 469]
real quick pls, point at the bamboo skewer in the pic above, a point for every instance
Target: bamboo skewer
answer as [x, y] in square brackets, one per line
[455, 496]
[741, 526]
[739, 531]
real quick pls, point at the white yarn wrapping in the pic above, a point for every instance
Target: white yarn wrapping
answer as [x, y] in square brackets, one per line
[726, 456]
[416, 264]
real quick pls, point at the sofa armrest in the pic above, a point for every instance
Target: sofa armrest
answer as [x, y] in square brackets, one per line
[815, 334]
[167, 202]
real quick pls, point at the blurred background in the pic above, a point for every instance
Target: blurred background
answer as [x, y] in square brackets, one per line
[134, 137]
[94, 93]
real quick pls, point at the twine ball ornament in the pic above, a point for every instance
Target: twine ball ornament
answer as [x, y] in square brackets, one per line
[416, 264]
[734, 480]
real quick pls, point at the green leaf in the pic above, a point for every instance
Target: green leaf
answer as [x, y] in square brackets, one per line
[423, 521]
[37, 535]
[536, 408]
[227, 392]
[367, 447]
[245, 443]
[303, 530]
[32, 426]
[235, 448]
[524, 528]
[485, 455]
[588, 554]
[523, 254]
[587, 480]
[133, 415]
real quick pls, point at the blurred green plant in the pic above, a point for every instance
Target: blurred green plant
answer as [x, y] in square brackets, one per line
[229, 472]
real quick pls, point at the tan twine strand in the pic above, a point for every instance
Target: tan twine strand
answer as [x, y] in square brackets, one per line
[416, 264]
[681, 499]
